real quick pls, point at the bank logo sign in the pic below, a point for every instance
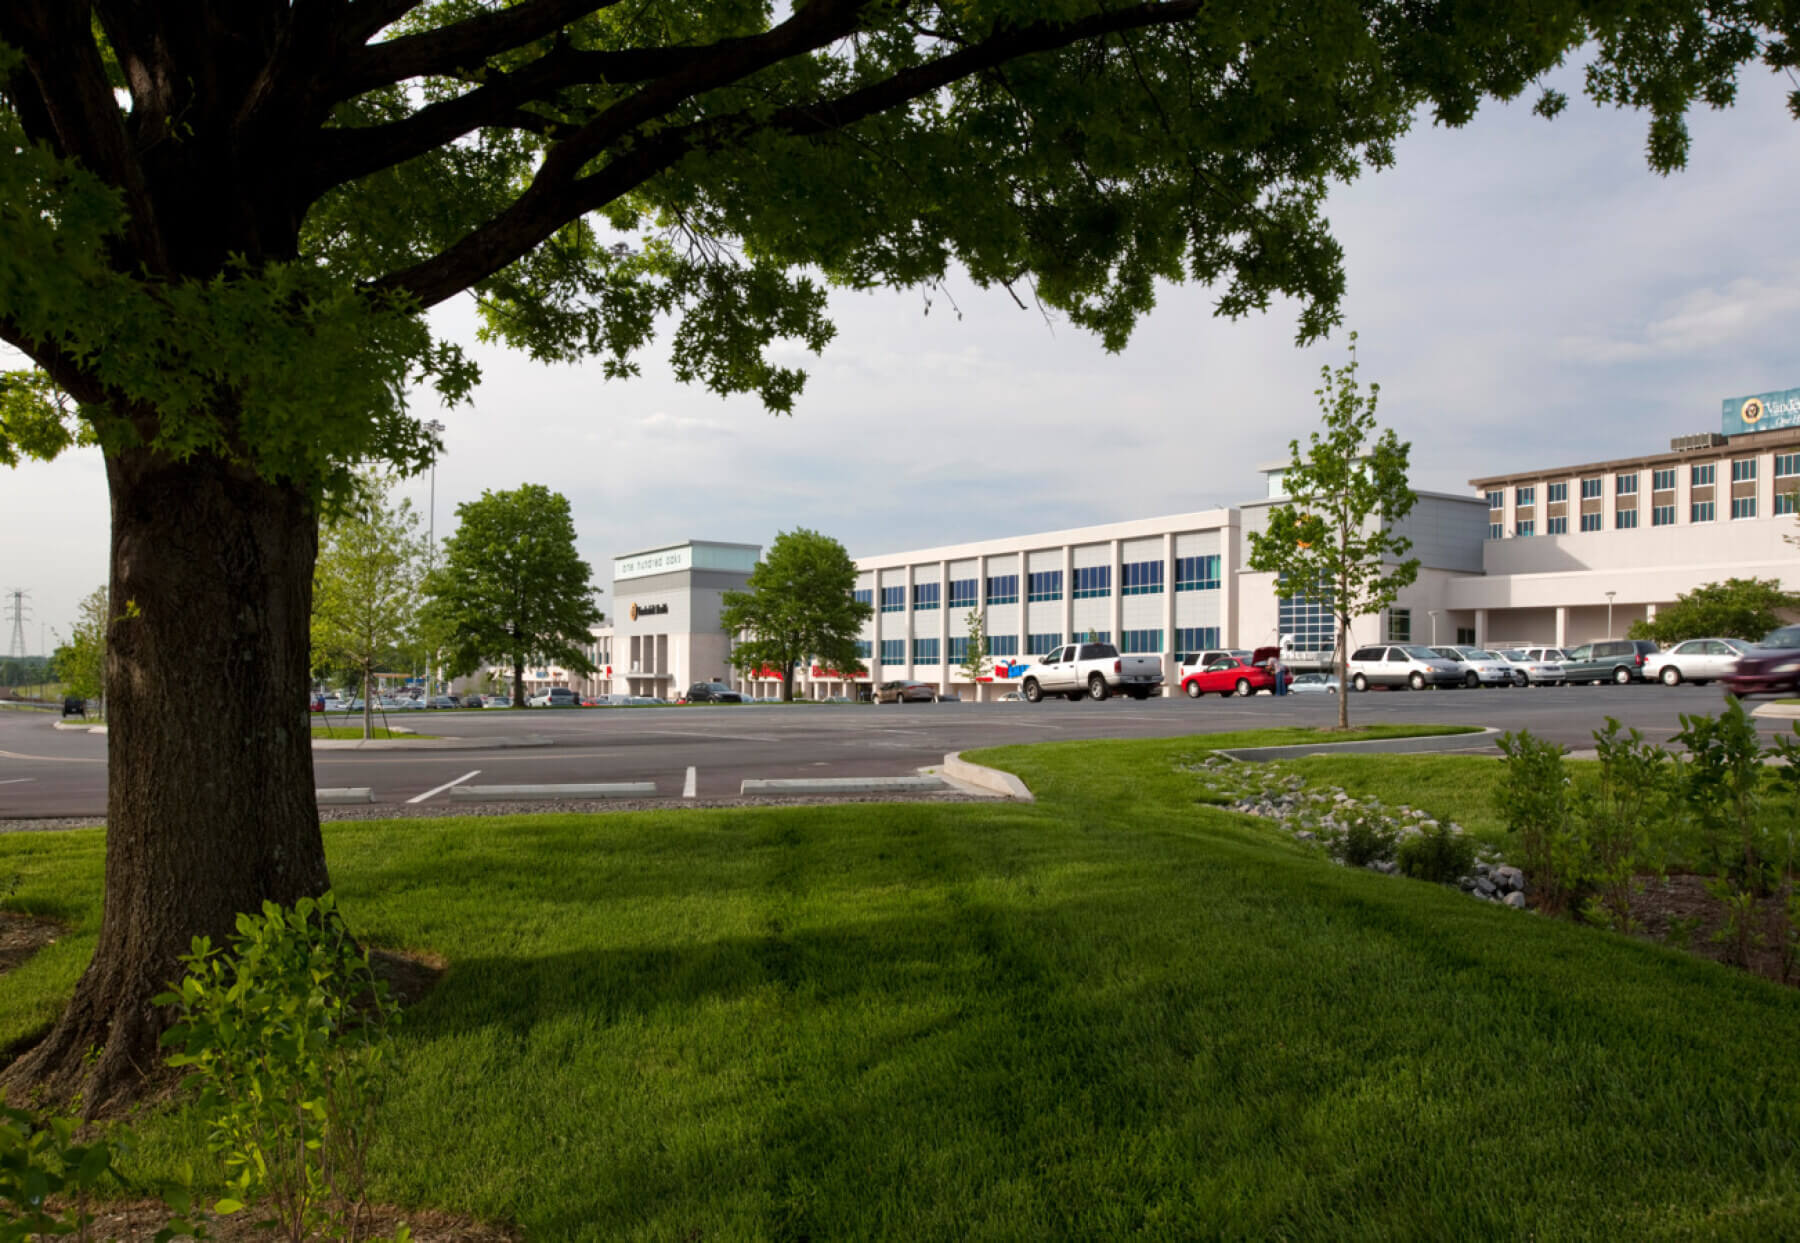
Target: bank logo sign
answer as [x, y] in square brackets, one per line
[1762, 412]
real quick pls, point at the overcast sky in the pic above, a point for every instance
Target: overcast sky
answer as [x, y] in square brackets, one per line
[1527, 294]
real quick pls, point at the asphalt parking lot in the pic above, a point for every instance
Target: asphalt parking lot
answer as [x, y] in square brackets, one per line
[707, 752]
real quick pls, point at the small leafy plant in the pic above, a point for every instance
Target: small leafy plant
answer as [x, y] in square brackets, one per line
[1617, 818]
[1721, 785]
[1437, 854]
[288, 1038]
[1534, 801]
[1367, 837]
[40, 1161]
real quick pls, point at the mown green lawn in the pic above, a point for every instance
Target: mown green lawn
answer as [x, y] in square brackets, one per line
[1115, 1012]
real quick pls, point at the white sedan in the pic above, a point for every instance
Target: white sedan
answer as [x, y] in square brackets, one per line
[1480, 667]
[1697, 660]
[1313, 684]
[1534, 666]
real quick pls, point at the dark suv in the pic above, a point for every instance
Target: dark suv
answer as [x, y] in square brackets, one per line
[1609, 660]
[712, 693]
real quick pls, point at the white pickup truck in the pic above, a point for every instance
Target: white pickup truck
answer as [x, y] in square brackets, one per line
[1092, 671]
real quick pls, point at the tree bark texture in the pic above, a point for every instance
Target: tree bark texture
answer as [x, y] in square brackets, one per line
[210, 805]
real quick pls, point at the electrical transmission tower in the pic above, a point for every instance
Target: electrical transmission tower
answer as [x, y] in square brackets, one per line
[17, 613]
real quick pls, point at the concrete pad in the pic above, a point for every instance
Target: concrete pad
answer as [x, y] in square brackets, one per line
[345, 794]
[986, 780]
[845, 785]
[495, 794]
[1779, 711]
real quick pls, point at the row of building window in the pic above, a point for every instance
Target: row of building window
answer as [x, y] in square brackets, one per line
[1701, 475]
[1139, 578]
[1189, 641]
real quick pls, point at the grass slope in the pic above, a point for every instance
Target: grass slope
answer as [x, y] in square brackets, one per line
[1114, 1012]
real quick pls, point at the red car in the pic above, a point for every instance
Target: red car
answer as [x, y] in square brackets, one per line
[1229, 675]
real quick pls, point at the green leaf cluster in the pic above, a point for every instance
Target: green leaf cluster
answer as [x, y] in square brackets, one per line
[81, 662]
[512, 588]
[43, 1167]
[288, 1037]
[798, 603]
[1742, 608]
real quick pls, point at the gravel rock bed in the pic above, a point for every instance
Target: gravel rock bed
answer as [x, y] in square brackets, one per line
[436, 810]
[1324, 818]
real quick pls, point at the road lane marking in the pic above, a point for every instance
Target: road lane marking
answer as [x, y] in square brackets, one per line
[440, 789]
[13, 781]
[51, 759]
[689, 786]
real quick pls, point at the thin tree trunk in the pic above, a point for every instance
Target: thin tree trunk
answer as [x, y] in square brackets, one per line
[518, 695]
[1343, 673]
[210, 806]
[368, 705]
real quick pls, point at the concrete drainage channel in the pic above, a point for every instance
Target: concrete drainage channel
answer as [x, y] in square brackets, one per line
[955, 776]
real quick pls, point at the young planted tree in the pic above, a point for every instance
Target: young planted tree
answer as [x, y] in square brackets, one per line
[1333, 540]
[366, 586]
[81, 662]
[797, 603]
[511, 588]
[226, 219]
[976, 664]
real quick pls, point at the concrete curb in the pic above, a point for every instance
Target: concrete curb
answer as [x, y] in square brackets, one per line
[986, 780]
[1779, 711]
[431, 744]
[1417, 744]
[615, 789]
[344, 794]
[844, 785]
[80, 727]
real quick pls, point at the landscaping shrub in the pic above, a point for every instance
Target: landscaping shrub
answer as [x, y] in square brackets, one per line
[1534, 801]
[1721, 785]
[1367, 837]
[1619, 820]
[1437, 854]
[288, 1037]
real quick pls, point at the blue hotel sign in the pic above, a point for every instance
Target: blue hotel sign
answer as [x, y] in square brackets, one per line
[1761, 413]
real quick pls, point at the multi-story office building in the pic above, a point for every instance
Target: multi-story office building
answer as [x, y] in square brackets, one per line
[1562, 555]
[1566, 546]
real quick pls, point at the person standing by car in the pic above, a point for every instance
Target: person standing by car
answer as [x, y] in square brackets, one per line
[1279, 672]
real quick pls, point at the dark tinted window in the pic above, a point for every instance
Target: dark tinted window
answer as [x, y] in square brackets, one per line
[1098, 651]
[1369, 653]
[1787, 636]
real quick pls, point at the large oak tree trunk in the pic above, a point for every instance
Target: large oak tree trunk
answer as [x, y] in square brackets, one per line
[210, 805]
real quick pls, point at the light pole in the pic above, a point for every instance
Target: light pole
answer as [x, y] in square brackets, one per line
[1609, 600]
[436, 428]
[1434, 614]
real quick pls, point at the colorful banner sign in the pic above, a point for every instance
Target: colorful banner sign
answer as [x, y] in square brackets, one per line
[1762, 412]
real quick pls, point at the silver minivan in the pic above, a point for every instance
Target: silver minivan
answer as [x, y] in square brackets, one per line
[1401, 664]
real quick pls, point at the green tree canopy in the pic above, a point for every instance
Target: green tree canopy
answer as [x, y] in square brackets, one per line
[1738, 608]
[797, 603]
[511, 588]
[1333, 540]
[366, 586]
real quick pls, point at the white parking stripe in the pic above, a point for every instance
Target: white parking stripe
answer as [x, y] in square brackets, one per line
[691, 784]
[13, 781]
[440, 789]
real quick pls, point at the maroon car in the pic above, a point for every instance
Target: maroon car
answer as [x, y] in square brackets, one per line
[1772, 667]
